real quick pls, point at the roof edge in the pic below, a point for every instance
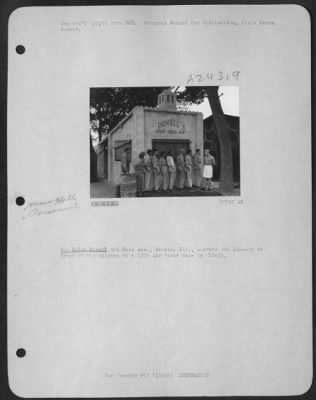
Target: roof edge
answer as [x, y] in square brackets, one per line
[127, 117]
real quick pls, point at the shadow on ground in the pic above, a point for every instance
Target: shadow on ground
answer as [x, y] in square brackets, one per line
[186, 192]
[105, 189]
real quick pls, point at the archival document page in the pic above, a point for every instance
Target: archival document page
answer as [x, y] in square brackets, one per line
[159, 201]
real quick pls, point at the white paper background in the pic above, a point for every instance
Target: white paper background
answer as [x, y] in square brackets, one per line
[245, 319]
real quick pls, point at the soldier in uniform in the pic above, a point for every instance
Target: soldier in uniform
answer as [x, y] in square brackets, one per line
[140, 174]
[209, 163]
[156, 170]
[125, 162]
[188, 169]
[180, 169]
[197, 163]
[164, 171]
[148, 171]
[171, 169]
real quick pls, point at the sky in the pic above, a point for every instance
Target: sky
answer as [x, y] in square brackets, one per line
[229, 101]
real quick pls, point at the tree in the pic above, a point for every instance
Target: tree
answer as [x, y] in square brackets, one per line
[110, 105]
[226, 175]
[196, 94]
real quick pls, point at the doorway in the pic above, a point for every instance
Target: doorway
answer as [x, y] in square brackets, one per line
[174, 145]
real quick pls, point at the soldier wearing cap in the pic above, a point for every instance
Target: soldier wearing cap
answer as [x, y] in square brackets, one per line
[156, 170]
[148, 171]
[180, 169]
[188, 169]
[197, 163]
[209, 163]
[125, 162]
[171, 169]
[139, 168]
[164, 171]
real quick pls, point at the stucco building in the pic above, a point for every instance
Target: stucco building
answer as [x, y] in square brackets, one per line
[163, 128]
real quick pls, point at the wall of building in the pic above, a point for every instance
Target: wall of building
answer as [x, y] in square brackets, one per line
[124, 132]
[174, 126]
[145, 125]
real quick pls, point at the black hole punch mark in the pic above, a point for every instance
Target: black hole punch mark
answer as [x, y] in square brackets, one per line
[21, 353]
[20, 49]
[20, 201]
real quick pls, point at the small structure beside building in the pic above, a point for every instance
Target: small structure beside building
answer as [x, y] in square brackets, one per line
[101, 149]
[163, 128]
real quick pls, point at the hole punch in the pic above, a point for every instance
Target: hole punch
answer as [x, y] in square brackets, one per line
[20, 49]
[21, 353]
[20, 201]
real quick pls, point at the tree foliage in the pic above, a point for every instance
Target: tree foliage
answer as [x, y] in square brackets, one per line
[110, 105]
[222, 129]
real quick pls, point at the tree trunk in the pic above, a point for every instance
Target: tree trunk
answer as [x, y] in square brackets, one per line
[93, 163]
[226, 172]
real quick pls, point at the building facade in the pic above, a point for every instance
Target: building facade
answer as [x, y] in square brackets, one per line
[163, 128]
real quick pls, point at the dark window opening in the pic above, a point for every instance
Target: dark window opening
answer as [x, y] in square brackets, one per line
[120, 146]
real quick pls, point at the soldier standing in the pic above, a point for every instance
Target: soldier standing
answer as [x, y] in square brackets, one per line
[140, 174]
[156, 171]
[125, 162]
[209, 163]
[171, 169]
[188, 169]
[197, 162]
[180, 169]
[164, 170]
[148, 171]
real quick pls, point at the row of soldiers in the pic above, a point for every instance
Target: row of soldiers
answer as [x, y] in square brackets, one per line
[163, 171]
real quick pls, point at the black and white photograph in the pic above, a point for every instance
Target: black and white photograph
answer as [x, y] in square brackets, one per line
[164, 141]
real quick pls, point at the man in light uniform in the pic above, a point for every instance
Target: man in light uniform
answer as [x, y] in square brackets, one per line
[140, 174]
[209, 163]
[197, 163]
[180, 169]
[156, 170]
[148, 171]
[164, 171]
[171, 170]
[125, 161]
[188, 169]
